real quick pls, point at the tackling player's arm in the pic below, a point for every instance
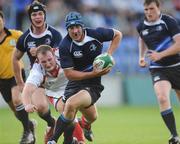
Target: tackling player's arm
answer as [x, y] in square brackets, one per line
[115, 42]
[17, 55]
[28, 90]
[142, 50]
[34, 80]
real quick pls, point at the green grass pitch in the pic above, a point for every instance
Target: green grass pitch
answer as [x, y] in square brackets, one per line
[120, 125]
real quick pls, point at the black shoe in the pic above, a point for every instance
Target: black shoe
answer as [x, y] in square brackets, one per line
[49, 132]
[51, 142]
[27, 138]
[174, 140]
[74, 141]
[88, 134]
[32, 126]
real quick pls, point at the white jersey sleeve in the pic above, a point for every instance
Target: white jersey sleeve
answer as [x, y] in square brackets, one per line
[36, 76]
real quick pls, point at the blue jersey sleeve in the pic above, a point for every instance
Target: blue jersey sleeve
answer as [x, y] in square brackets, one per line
[105, 34]
[139, 27]
[65, 56]
[20, 44]
[172, 25]
[57, 37]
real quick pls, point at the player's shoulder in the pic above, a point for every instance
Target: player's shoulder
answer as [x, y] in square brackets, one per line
[66, 42]
[55, 33]
[91, 31]
[25, 34]
[140, 24]
[37, 67]
[52, 29]
[94, 32]
[15, 33]
[99, 31]
[167, 18]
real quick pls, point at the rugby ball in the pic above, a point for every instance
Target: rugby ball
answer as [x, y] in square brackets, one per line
[102, 61]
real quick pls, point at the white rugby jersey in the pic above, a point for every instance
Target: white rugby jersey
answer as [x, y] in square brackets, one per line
[54, 85]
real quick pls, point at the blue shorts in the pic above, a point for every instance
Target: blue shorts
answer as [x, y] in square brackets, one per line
[171, 74]
[94, 91]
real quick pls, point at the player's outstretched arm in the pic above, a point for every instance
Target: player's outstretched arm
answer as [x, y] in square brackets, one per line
[142, 51]
[27, 92]
[115, 42]
[17, 55]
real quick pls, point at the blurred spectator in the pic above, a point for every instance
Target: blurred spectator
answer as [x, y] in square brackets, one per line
[176, 4]
[20, 9]
[1, 4]
[73, 4]
[56, 10]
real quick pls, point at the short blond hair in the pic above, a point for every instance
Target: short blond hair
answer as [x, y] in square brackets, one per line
[43, 49]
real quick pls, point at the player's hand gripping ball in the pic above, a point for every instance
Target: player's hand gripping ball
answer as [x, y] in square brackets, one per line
[102, 61]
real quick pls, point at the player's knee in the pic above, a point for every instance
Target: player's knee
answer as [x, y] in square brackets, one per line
[42, 107]
[162, 99]
[16, 101]
[92, 118]
[70, 106]
[16, 96]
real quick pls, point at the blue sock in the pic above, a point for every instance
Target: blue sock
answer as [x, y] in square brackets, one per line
[169, 120]
[61, 124]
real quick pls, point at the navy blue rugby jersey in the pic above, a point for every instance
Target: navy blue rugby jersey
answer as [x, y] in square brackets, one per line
[158, 36]
[29, 40]
[80, 55]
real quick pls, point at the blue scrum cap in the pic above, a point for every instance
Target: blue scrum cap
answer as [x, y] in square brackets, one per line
[73, 18]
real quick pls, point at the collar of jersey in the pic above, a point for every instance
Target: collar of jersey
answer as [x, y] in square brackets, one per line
[85, 40]
[8, 33]
[154, 23]
[46, 32]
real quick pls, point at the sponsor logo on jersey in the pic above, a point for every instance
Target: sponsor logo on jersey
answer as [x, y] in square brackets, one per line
[48, 41]
[77, 54]
[93, 47]
[31, 44]
[87, 88]
[159, 28]
[156, 78]
[12, 42]
[145, 32]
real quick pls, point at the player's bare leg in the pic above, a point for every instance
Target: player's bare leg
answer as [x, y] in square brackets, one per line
[89, 116]
[40, 100]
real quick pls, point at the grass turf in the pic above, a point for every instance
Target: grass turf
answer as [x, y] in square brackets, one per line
[120, 125]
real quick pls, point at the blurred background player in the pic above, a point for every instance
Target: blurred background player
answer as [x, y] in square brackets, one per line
[8, 88]
[161, 34]
[46, 72]
[39, 33]
[77, 52]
